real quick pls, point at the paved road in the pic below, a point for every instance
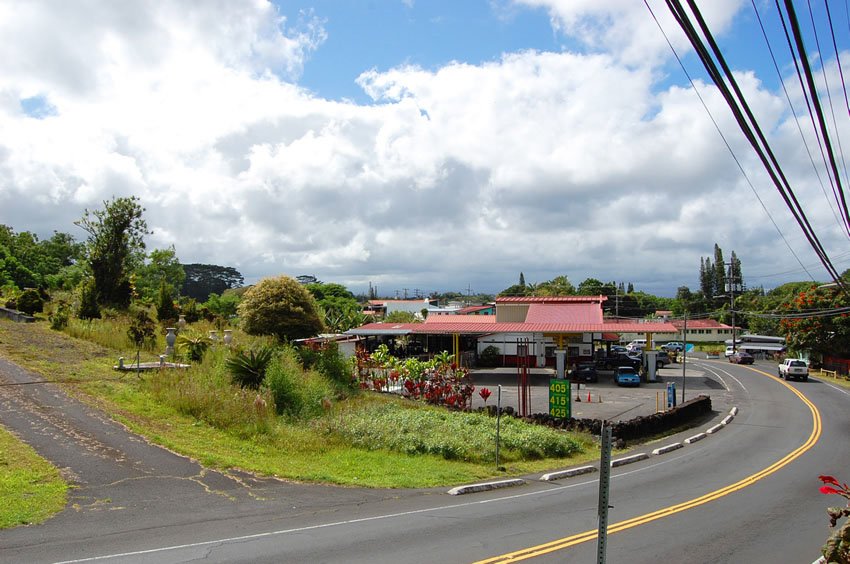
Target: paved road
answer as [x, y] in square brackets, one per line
[778, 518]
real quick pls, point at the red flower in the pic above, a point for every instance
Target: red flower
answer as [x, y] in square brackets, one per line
[485, 394]
[829, 480]
[829, 490]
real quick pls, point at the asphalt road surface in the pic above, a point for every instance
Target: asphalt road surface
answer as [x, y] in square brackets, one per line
[748, 493]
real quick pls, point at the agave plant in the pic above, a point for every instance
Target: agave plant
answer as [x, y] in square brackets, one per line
[248, 369]
[193, 345]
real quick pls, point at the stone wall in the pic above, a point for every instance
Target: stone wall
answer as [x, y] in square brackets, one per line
[16, 315]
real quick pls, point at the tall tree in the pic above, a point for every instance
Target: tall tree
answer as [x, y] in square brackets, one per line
[162, 267]
[115, 247]
[205, 279]
[719, 275]
[522, 279]
[706, 278]
[281, 307]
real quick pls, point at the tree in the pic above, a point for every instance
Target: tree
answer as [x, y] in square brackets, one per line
[165, 308]
[222, 306]
[281, 307]
[558, 286]
[337, 305]
[595, 287]
[814, 325]
[205, 279]
[115, 248]
[522, 279]
[400, 317]
[719, 276]
[515, 290]
[162, 267]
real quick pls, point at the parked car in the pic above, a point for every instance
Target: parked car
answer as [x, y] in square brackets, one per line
[618, 349]
[584, 372]
[662, 359]
[741, 357]
[730, 350]
[673, 346]
[794, 369]
[627, 376]
[622, 359]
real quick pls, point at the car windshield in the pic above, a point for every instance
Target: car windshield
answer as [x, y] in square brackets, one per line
[798, 363]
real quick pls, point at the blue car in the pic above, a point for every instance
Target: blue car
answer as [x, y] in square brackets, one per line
[627, 376]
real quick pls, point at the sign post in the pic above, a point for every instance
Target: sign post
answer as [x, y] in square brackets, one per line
[560, 403]
[604, 491]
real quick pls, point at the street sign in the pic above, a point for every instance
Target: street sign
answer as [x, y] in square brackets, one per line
[560, 402]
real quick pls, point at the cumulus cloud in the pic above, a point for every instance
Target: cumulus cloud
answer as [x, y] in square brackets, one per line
[545, 162]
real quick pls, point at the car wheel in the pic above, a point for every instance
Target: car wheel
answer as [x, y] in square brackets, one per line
[805, 378]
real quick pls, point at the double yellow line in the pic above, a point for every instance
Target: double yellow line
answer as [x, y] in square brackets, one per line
[586, 536]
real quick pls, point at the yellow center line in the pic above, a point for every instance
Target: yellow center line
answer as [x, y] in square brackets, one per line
[586, 536]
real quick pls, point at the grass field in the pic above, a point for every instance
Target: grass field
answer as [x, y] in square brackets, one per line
[315, 449]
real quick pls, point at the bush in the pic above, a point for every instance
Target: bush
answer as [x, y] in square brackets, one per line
[166, 311]
[248, 370]
[30, 302]
[296, 392]
[190, 311]
[193, 345]
[142, 330]
[89, 309]
[280, 307]
[60, 316]
[330, 363]
[490, 357]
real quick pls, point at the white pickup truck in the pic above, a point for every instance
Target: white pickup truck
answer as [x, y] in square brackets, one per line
[794, 369]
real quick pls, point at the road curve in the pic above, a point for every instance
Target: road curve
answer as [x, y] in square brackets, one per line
[772, 512]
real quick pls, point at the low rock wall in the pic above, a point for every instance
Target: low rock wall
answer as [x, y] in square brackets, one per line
[16, 315]
[637, 428]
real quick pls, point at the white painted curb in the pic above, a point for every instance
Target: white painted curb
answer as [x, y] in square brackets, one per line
[666, 449]
[726, 420]
[486, 486]
[714, 429]
[629, 459]
[695, 438]
[567, 473]
[733, 412]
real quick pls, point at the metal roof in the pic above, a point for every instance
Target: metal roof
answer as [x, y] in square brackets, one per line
[450, 325]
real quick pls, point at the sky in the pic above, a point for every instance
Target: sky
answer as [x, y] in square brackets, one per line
[426, 145]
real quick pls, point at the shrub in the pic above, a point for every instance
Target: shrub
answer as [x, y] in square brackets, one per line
[190, 311]
[89, 309]
[280, 307]
[30, 302]
[192, 345]
[60, 316]
[490, 357]
[296, 392]
[142, 331]
[249, 369]
[165, 308]
[330, 363]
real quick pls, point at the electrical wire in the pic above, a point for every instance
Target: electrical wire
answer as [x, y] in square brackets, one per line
[726, 142]
[746, 121]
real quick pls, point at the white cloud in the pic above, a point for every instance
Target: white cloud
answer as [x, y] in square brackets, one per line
[549, 163]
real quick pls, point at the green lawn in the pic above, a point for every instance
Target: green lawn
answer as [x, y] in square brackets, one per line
[311, 450]
[31, 489]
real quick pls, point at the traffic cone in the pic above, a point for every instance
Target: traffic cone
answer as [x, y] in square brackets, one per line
[588, 398]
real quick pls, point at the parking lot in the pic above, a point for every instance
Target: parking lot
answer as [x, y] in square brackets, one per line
[607, 400]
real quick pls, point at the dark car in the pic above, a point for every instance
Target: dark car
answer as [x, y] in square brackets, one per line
[623, 359]
[741, 357]
[662, 359]
[584, 372]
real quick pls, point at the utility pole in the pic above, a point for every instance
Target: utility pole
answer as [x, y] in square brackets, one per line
[684, 353]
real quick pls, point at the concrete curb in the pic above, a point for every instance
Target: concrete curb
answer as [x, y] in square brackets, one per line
[629, 459]
[733, 411]
[666, 449]
[695, 438]
[714, 429]
[486, 486]
[567, 473]
[726, 420]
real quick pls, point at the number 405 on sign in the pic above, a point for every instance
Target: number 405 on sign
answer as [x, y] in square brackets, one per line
[559, 398]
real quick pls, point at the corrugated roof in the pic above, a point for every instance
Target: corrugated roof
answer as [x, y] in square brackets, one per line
[564, 313]
[701, 324]
[472, 309]
[451, 325]
[549, 299]
[465, 319]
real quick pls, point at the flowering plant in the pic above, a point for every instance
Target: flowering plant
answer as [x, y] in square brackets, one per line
[485, 394]
[837, 547]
